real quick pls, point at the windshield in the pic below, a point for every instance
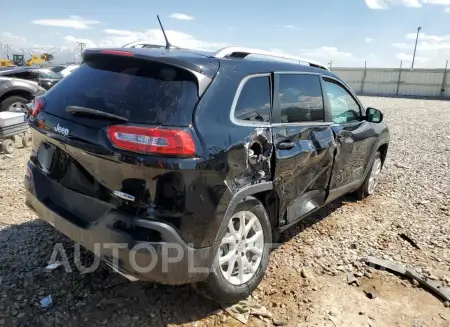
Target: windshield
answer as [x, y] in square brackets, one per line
[140, 90]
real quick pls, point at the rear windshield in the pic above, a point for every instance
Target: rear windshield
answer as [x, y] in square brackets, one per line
[142, 91]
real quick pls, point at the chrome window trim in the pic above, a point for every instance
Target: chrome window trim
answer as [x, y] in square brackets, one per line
[301, 124]
[297, 124]
[240, 122]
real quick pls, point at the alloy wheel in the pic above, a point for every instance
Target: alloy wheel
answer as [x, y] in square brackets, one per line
[242, 248]
[18, 107]
[374, 176]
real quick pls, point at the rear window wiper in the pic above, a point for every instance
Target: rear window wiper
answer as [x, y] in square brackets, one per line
[75, 110]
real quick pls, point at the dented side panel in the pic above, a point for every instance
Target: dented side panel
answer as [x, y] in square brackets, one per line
[249, 160]
[302, 173]
[237, 156]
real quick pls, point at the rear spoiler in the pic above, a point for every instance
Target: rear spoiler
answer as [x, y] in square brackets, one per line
[203, 81]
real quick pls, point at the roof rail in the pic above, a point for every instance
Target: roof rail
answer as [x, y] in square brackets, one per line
[240, 52]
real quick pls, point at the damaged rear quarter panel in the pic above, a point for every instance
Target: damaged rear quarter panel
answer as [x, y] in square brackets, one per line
[237, 156]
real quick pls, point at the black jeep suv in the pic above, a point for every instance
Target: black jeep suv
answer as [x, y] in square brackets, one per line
[184, 166]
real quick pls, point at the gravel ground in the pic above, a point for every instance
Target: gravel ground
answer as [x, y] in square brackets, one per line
[306, 284]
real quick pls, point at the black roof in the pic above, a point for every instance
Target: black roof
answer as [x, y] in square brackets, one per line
[206, 64]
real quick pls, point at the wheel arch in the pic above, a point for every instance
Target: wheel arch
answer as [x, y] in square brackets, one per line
[16, 92]
[383, 148]
[261, 191]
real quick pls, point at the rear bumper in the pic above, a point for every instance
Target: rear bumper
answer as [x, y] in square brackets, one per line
[168, 261]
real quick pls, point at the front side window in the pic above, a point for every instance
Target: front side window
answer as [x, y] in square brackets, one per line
[344, 108]
[254, 100]
[300, 98]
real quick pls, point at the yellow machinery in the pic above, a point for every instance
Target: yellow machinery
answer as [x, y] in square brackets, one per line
[37, 60]
[6, 63]
[18, 60]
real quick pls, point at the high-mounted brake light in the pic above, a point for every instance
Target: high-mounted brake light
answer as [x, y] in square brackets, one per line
[36, 106]
[118, 53]
[152, 140]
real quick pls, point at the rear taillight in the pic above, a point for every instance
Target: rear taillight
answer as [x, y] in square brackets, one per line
[152, 140]
[36, 106]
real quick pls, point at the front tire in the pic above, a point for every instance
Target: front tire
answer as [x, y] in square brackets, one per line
[371, 182]
[243, 255]
[14, 103]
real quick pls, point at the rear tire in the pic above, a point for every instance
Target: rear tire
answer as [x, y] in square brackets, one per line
[371, 182]
[246, 249]
[8, 146]
[12, 102]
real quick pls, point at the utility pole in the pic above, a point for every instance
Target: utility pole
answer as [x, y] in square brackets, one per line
[82, 45]
[7, 50]
[415, 47]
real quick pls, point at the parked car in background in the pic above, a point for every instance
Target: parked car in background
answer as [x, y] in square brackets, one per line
[47, 78]
[68, 70]
[15, 93]
[58, 69]
[43, 76]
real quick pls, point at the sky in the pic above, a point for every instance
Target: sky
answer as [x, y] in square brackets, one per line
[344, 32]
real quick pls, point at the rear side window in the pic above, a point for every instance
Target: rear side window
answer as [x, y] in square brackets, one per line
[300, 98]
[142, 91]
[254, 100]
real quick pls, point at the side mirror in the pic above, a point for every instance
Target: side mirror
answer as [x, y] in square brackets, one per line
[374, 115]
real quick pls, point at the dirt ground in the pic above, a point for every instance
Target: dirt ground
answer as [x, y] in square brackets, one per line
[306, 283]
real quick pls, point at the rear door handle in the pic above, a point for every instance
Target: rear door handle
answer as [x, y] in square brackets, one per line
[286, 145]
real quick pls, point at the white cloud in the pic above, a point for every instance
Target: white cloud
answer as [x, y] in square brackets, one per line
[447, 10]
[290, 27]
[181, 16]
[9, 38]
[73, 21]
[407, 58]
[154, 36]
[70, 39]
[368, 40]
[119, 32]
[376, 4]
[428, 37]
[385, 4]
[410, 3]
[69, 50]
[437, 2]
[327, 53]
[280, 52]
[401, 45]
[432, 50]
